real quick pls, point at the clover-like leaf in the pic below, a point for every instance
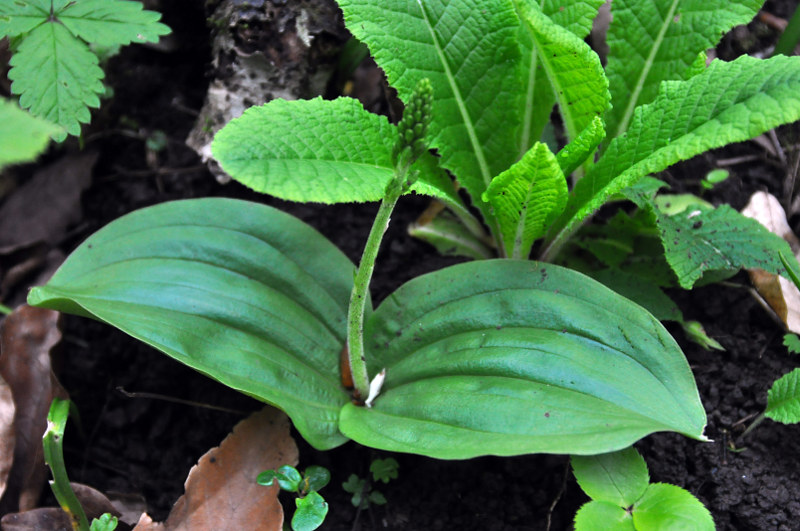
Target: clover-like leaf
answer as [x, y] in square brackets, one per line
[241, 292]
[509, 357]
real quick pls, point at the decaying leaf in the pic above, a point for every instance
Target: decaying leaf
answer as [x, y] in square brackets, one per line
[94, 504]
[779, 292]
[26, 339]
[221, 490]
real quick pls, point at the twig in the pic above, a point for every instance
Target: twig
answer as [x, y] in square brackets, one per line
[180, 401]
[558, 495]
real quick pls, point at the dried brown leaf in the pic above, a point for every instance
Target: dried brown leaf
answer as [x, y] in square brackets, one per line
[779, 293]
[221, 490]
[26, 339]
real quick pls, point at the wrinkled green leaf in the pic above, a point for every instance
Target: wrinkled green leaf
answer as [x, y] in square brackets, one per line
[384, 469]
[617, 477]
[603, 516]
[526, 198]
[783, 399]
[509, 357]
[468, 49]
[641, 291]
[22, 136]
[310, 513]
[649, 42]
[110, 22]
[319, 151]
[666, 507]
[106, 522]
[582, 147]
[574, 15]
[57, 77]
[717, 239]
[239, 291]
[728, 102]
[572, 68]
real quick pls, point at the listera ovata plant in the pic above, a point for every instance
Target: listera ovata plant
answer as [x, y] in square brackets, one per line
[498, 357]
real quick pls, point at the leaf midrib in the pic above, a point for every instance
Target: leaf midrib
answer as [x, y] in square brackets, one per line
[648, 65]
[467, 120]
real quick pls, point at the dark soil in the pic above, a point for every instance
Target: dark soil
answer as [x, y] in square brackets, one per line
[147, 446]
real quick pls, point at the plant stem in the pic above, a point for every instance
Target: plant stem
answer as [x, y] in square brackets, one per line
[360, 293]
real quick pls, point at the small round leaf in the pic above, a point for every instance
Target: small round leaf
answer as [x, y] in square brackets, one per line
[603, 516]
[310, 513]
[665, 507]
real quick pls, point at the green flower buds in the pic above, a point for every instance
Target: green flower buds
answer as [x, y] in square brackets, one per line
[414, 125]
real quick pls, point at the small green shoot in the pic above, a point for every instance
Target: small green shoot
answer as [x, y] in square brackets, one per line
[624, 499]
[363, 493]
[713, 178]
[311, 506]
[53, 442]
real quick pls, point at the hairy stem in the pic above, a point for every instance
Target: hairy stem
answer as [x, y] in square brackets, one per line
[359, 295]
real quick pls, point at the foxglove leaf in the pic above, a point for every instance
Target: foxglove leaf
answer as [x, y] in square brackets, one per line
[574, 15]
[468, 49]
[572, 68]
[728, 102]
[319, 151]
[581, 147]
[509, 357]
[650, 42]
[526, 198]
[57, 77]
[241, 292]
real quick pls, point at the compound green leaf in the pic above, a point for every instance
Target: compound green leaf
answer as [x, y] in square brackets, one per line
[717, 239]
[22, 136]
[57, 77]
[728, 102]
[783, 399]
[319, 151]
[574, 15]
[617, 477]
[110, 22]
[526, 198]
[571, 66]
[468, 49]
[508, 357]
[650, 42]
[603, 516]
[242, 292]
[665, 507]
[21, 16]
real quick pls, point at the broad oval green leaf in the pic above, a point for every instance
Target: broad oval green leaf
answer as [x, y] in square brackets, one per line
[616, 477]
[239, 291]
[509, 357]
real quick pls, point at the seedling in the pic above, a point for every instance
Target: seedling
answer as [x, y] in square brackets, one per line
[624, 499]
[61, 87]
[384, 470]
[311, 507]
[53, 441]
